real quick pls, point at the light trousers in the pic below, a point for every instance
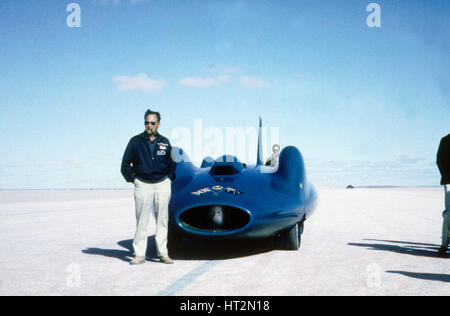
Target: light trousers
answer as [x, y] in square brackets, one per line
[446, 215]
[147, 195]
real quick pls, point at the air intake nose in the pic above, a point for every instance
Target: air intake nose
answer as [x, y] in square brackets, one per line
[226, 165]
[214, 218]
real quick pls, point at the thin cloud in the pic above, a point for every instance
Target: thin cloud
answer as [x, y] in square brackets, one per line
[254, 82]
[204, 82]
[138, 83]
[404, 159]
[222, 69]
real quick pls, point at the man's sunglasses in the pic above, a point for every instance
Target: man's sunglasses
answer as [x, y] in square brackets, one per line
[147, 123]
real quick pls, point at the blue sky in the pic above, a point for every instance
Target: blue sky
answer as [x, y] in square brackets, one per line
[366, 106]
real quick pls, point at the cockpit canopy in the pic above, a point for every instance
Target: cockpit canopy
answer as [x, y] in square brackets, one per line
[226, 165]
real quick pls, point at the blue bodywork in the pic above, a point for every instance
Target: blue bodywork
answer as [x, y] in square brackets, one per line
[255, 201]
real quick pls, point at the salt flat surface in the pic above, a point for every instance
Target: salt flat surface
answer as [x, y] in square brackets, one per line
[366, 241]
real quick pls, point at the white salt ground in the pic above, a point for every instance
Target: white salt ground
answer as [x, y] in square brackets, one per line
[365, 241]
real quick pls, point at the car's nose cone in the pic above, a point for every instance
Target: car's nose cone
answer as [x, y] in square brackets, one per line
[214, 219]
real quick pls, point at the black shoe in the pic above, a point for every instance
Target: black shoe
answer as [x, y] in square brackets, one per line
[442, 251]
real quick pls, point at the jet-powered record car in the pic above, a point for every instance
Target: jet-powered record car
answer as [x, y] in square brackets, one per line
[225, 199]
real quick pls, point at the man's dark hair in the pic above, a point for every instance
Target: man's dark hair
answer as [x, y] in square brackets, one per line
[150, 112]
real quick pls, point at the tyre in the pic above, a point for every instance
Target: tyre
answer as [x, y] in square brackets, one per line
[293, 237]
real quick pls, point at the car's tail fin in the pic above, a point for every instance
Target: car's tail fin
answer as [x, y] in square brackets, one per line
[291, 175]
[259, 155]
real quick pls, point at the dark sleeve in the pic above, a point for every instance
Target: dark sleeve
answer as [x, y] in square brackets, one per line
[127, 160]
[172, 164]
[268, 161]
[439, 156]
[443, 156]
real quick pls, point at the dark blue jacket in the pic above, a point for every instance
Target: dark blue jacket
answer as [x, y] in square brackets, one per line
[139, 161]
[443, 159]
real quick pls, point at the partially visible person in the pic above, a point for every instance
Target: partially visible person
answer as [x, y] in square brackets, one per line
[147, 162]
[272, 160]
[443, 162]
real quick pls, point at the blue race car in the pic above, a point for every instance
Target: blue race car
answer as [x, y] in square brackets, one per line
[225, 199]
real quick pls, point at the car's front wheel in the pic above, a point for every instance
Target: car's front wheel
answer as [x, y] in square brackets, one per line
[292, 238]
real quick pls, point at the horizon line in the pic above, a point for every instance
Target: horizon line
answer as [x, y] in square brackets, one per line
[131, 188]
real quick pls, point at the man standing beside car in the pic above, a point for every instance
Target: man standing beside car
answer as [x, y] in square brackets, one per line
[147, 162]
[443, 162]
